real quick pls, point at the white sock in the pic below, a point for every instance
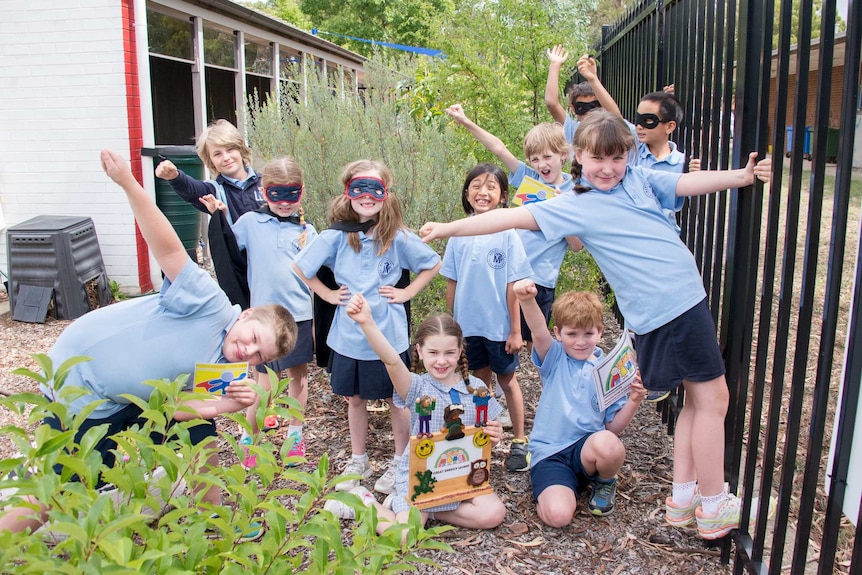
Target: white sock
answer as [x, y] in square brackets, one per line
[683, 493]
[396, 459]
[710, 504]
[363, 457]
[297, 429]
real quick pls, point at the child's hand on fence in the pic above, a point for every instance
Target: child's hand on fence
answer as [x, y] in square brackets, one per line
[358, 309]
[166, 170]
[212, 203]
[638, 392]
[669, 89]
[456, 112]
[525, 289]
[763, 170]
[494, 431]
[694, 165]
[588, 68]
[557, 55]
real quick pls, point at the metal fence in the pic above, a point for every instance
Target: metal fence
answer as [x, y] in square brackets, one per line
[774, 264]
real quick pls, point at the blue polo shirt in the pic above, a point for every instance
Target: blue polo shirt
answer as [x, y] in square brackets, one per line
[568, 407]
[653, 274]
[152, 337]
[545, 256]
[673, 162]
[272, 246]
[365, 272]
[483, 266]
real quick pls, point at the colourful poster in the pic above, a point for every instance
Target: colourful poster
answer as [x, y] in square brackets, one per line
[615, 372]
[532, 190]
[215, 377]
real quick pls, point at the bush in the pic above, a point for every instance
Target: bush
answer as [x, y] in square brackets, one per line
[97, 531]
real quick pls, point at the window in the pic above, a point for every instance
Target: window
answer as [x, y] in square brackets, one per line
[171, 59]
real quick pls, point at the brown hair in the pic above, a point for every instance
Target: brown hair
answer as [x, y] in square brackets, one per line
[581, 90]
[284, 170]
[282, 323]
[221, 133]
[578, 309]
[440, 324]
[601, 133]
[390, 220]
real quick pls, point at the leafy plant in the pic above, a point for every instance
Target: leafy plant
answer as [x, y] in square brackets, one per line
[148, 524]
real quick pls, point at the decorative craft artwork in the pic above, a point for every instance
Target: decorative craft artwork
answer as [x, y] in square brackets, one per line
[449, 465]
[532, 190]
[215, 377]
[613, 375]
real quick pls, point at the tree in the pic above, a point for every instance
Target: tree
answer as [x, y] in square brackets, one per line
[287, 10]
[816, 7]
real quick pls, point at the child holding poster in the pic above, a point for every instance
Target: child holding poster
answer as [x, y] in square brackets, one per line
[439, 348]
[574, 442]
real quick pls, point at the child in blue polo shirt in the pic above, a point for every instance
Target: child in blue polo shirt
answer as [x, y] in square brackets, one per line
[367, 246]
[481, 270]
[617, 213]
[272, 236]
[574, 444]
[159, 336]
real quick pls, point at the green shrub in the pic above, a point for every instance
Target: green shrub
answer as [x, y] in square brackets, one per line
[97, 532]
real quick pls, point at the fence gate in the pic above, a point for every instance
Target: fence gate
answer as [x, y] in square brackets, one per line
[777, 270]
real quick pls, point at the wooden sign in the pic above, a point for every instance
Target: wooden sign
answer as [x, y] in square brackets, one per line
[448, 470]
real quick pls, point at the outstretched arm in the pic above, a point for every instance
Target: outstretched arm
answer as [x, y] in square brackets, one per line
[155, 227]
[481, 224]
[709, 181]
[589, 69]
[624, 416]
[360, 312]
[557, 57]
[494, 144]
[525, 290]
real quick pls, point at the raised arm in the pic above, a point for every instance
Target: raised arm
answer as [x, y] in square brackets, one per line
[709, 181]
[481, 224]
[494, 144]
[155, 228]
[360, 312]
[525, 291]
[590, 71]
[557, 56]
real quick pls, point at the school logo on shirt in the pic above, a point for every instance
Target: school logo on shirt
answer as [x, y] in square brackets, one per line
[648, 190]
[496, 258]
[294, 245]
[385, 267]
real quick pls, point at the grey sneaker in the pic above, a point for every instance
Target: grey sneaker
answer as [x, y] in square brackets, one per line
[655, 396]
[519, 456]
[345, 511]
[386, 483]
[602, 495]
[504, 419]
[354, 467]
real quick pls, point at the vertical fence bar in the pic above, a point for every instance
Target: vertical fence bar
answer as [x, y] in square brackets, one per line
[847, 413]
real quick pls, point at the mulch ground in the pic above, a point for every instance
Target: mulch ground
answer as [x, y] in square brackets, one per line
[634, 539]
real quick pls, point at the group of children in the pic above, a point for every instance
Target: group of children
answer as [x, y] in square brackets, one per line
[502, 268]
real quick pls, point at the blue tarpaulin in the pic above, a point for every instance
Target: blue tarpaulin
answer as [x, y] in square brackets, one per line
[414, 49]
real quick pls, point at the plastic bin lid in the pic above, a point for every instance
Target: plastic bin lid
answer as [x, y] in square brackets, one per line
[49, 223]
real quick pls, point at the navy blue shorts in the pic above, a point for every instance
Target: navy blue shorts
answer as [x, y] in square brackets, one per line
[122, 420]
[562, 468]
[686, 348]
[367, 379]
[545, 299]
[303, 352]
[482, 352]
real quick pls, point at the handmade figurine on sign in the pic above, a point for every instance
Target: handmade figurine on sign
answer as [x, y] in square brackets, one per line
[424, 408]
[481, 398]
[452, 422]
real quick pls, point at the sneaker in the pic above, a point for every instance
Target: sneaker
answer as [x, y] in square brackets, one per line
[254, 532]
[386, 483]
[602, 494]
[654, 396]
[504, 419]
[681, 516]
[249, 460]
[345, 511]
[519, 456]
[354, 467]
[298, 447]
[390, 499]
[723, 522]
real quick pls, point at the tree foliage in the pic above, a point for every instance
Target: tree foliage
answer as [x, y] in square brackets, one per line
[816, 22]
[287, 10]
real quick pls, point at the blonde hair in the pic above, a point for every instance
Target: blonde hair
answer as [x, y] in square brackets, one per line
[282, 324]
[221, 133]
[284, 170]
[578, 309]
[545, 137]
[390, 220]
[601, 133]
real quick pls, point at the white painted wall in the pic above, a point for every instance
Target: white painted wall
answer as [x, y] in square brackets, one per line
[62, 99]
